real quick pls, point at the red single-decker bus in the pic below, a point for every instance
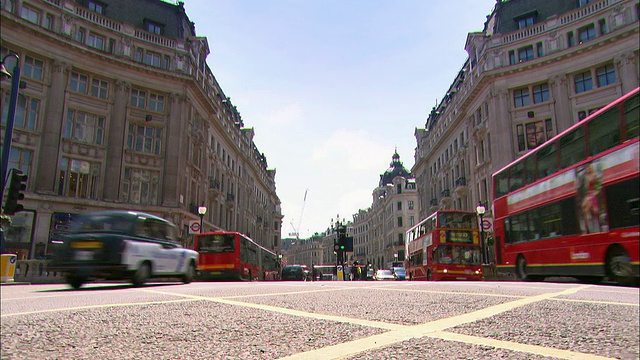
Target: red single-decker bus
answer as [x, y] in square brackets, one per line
[571, 206]
[234, 256]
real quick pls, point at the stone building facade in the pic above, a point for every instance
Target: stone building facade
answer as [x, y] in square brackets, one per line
[120, 111]
[537, 67]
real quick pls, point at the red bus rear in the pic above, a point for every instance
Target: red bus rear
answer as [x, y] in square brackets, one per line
[444, 246]
[571, 206]
[233, 256]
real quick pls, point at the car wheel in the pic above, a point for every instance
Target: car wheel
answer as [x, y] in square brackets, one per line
[76, 281]
[189, 274]
[142, 274]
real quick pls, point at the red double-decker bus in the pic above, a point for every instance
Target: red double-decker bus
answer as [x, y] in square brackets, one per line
[234, 256]
[571, 206]
[444, 246]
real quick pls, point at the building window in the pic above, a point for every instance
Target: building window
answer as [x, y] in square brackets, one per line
[20, 159]
[97, 7]
[156, 102]
[533, 134]
[411, 205]
[26, 112]
[153, 27]
[84, 127]
[399, 205]
[138, 98]
[30, 14]
[521, 98]
[540, 93]
[96, 41]
[583, 82]
[78, 178]
[525, 21]
[80, 35]
[165, 62]
[539, 49]
[571, 40]
[602, 25]
[99, 88]
[144, 139]
[525, 54]
[152, 59]
[606, 75]
[138, 55]
[399, 221]
[140, 186]
[584, 2]
[79, 82]
[512, 57]
[587, 33]
[48, 22]
[33, 68]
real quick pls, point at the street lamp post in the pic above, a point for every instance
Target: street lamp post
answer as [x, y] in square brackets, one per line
[480, 210]
[202, 210]
[11, 114]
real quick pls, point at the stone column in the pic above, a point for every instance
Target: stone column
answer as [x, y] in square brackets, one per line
[500, 125]
[562, 106]
[114, 166]
[51, 133]
[175, 151]
[627, 71]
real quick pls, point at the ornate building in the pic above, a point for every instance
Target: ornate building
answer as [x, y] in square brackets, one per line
[378, 232]
[120, 111]
[537, 67]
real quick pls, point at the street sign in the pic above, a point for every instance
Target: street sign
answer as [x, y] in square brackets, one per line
[194, 226]
[486, 224]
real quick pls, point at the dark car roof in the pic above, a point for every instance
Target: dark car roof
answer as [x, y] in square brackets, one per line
[127, 220]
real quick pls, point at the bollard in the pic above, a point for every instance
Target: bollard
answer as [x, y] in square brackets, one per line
[7, 267]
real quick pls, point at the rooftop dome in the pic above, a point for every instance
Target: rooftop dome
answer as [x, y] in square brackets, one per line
[395, 169]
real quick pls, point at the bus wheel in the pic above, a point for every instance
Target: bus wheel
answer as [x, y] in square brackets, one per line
[76, 281]
[141, 275]
[619, 266]
[521, 269]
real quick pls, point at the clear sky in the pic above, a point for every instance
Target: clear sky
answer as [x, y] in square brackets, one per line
[333, 87]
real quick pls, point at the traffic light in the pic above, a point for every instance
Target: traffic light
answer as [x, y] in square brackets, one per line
[17, 185]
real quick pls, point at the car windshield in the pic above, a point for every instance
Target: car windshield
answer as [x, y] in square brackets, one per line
[399, 270]
[385, 272]
[291, 269]
[457, 255]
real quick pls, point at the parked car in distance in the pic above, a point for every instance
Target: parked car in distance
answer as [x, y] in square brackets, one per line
[122, 245]
[400, 273]
[370, 274]
[384, 274]
[295, 272]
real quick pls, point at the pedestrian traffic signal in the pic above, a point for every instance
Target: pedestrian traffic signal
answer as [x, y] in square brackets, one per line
[17, 185]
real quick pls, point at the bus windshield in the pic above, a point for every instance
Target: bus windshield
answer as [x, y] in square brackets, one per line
[458, 220]
[218, 243]
[457, 255]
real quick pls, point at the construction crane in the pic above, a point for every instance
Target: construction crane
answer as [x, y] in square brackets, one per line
[296, 230]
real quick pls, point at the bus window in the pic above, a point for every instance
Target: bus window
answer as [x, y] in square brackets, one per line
[604, 131]
[547, 160]
[623, 203]
[631, 116]
[502, 184]
[516, 176]
[572, 147]
[215, 243]
[529, 169]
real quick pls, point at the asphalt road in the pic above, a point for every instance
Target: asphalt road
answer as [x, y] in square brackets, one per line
[321, 320]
